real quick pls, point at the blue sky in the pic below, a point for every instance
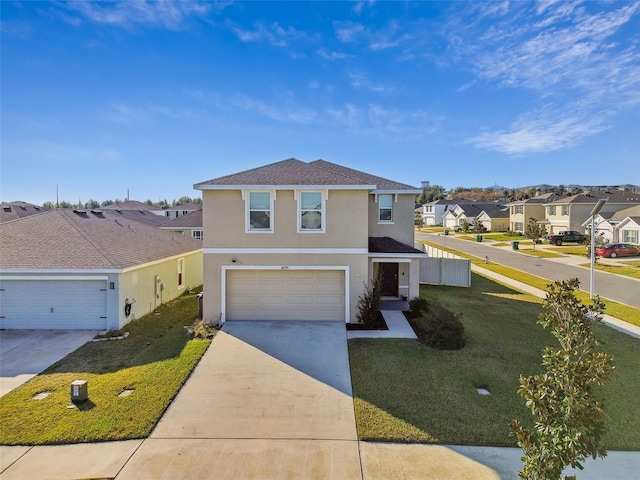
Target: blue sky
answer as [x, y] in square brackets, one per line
[101, 97]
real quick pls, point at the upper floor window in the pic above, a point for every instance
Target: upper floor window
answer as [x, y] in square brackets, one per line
[311, 215]
[259, 214]
[385, 208]
[518, 209]
[196, 234]
[552, 210]
[565, 210]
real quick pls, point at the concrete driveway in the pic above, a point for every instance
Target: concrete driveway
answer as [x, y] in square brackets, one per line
[25, 353]
[269, 400]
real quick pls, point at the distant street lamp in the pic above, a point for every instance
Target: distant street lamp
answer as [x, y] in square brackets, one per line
[594, 212]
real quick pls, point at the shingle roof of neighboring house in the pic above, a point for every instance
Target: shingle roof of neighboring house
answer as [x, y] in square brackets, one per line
[627, 212]
[130, 205]
[496, 211]
[389, 245]
[71, 239]
[144, 216]
[189, 220]
[14, 210]
[593, 197]
[293, 172]
[542, 198]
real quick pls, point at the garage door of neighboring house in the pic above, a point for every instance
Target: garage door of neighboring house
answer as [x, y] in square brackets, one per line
[53, 304]
[285, 295]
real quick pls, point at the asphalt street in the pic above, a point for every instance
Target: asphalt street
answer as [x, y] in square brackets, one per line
[614, 287]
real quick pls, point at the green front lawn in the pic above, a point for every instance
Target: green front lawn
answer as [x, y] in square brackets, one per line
[571, 249]
[406, 392]
[153, 361]
[615, 309]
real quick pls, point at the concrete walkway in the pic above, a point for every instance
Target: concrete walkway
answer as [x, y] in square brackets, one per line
[273, 400]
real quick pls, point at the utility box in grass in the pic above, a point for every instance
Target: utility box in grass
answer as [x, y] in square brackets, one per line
[79, 391]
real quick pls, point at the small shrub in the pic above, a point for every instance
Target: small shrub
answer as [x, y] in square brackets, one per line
[369, 302]
[440, 328]
[204, 330]
[418, 306]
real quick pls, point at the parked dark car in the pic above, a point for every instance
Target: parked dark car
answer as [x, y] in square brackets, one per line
[614, 250]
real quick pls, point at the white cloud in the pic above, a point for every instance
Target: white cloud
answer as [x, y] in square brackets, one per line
[543, 131]
[272, 33]
[287, 113]
[126, 14]
[361, 80]
[565, 53]
[331, 55]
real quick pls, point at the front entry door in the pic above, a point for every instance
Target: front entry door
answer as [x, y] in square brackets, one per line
[389, 279]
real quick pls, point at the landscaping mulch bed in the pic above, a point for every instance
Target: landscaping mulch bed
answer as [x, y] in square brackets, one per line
[380, 324]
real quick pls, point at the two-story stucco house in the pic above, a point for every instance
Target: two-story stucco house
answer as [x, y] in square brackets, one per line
[520, 211]
[299, 241]
[569, 213]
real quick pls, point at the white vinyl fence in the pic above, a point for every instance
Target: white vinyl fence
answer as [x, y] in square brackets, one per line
[444, 268]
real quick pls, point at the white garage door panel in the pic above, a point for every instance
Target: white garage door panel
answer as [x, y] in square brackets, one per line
[285, 295]
[53, 304]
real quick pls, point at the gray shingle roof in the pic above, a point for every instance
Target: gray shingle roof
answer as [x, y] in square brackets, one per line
[70, 239]
[189, 220]
[293, 172]
[389, 245]
[18, 209]
[131, 205]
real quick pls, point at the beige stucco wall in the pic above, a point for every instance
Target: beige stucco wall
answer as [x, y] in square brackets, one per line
[213, 266]
[138, 284]
[346, 217]
[402, 227]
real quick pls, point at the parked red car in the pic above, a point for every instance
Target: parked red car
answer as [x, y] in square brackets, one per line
[614, 250]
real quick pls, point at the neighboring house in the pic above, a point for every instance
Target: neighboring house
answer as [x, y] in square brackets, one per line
[520, 211]
[301, 241]
[432, 212]
[133, 205]
[569, 213]
[78, 269]
[189, 224]
[494, 216]
[179, 210]
[14, 210]
[620, 226]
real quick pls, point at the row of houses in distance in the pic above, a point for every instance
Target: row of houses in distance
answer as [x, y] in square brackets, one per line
[618, 221]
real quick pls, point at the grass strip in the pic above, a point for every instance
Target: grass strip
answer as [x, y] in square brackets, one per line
[627, 271]
[407, 392]
[153, 362]
[618, 310]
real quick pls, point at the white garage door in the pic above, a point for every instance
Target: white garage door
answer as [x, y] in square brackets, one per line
[285, 295]
[53, 304]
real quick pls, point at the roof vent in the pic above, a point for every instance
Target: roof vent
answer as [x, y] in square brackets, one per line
[81, 213]
[97, 213]
[6, 209]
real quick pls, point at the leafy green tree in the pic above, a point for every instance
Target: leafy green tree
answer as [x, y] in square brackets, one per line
[534, 231]
[418, 221]
[569, 421]
[431, 193]
[599, 242]
[91, 203]
[465, 226]
[48, 205]
[106, 203]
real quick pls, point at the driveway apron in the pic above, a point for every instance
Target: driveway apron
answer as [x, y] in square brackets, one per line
[267, 400]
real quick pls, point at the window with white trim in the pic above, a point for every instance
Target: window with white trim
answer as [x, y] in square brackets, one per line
[630, 236]
[259, 213]
[311, 212]
[519, 209]
[196, 234]
[180, 272]
[385, 208]
[552, 210]
[519, 227]
[565, 210]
